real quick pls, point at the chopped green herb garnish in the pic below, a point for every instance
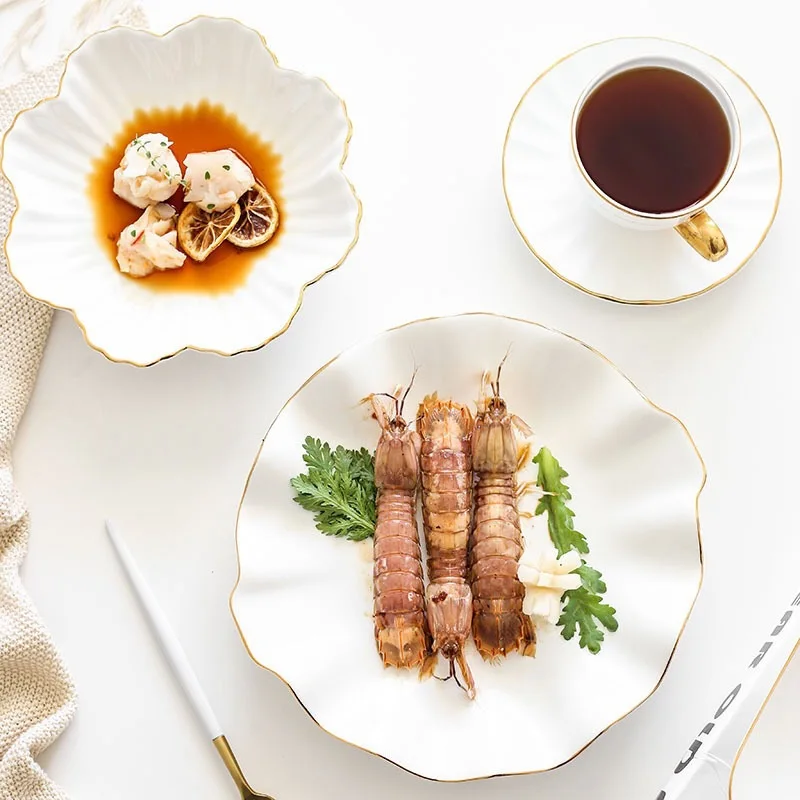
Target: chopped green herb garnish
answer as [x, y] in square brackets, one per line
[226, 166]
[208, 175]
[141, 147]
[339, 488]
[210, 206]
[583, 607]
[133, 232]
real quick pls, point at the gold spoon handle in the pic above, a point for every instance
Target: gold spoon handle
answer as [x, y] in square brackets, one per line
[176, 658]
[229, 759]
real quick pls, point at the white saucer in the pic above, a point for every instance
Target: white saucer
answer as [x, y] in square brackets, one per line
[595, 255]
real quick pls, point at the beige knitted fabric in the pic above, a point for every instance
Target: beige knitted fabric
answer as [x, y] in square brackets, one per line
[37, 698]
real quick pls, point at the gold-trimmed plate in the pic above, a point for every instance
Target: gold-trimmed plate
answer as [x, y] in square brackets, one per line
[49, 150]
[593, 254]
[760, 767]
[303, 601]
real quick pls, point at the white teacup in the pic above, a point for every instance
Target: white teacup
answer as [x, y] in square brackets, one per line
[691, 222]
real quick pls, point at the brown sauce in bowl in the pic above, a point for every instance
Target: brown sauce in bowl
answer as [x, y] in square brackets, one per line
[192, 129]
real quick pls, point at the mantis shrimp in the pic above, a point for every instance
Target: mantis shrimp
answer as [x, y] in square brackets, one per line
[399, 600]
[499, 624]
[446, 463]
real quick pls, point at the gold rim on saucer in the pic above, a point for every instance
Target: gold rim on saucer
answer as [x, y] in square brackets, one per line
[646, 302]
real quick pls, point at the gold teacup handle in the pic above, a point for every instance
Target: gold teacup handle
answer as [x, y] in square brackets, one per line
[704, 236]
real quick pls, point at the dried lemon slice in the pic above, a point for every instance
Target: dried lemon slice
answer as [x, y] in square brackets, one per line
[259, 219]
[200, 232]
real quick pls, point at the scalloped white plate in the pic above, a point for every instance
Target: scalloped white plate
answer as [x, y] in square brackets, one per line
[52, 248]
[303, 601]
[593, 254]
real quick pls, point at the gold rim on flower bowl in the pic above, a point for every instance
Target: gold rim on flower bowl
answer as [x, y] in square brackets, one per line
[328, 269]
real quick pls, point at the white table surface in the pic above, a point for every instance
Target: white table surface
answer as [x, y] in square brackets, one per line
[164, 451]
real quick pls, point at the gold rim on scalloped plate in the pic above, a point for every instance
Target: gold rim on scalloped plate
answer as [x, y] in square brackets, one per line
[303, 601]
[595, 255]
[48, 153]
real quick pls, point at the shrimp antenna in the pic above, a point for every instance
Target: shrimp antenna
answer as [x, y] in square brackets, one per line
[468, 687]
[405, 394]
[453, 674]
[495, 384]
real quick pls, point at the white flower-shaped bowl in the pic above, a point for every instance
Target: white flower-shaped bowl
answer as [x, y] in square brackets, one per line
[53, 250]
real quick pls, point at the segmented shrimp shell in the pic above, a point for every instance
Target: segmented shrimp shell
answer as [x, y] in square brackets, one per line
[399, 601]
[446, 463]
[499, 624]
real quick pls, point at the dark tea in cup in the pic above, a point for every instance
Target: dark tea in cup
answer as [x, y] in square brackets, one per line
[654, 139]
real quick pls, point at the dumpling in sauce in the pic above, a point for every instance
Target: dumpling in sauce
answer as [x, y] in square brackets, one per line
[150, 243]
[216, 180]
[149, 172]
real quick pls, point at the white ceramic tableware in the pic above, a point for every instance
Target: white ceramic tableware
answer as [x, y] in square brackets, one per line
[736, 753]
[303, 601]
[554, 207]
[766, 766]
[692, 222]
[53, 250]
